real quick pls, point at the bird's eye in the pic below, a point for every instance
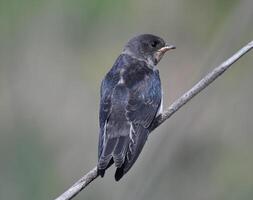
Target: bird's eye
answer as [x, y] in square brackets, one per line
[154, 43]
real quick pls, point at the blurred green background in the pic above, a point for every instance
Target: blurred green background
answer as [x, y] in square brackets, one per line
[53, 55]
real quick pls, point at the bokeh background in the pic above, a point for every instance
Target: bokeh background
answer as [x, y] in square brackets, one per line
[53, 55]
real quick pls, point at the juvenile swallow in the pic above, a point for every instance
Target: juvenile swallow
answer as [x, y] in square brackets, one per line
[131, 98]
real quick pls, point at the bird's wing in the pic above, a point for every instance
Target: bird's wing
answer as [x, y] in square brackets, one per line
[116, 129]
[144, 100]
[143, 104]
[107, 86]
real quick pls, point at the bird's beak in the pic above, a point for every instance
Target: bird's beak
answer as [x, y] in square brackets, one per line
[166, 48]
[159, 54]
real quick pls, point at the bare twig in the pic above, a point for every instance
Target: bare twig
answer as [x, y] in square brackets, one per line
[79, 185]
[202, 84]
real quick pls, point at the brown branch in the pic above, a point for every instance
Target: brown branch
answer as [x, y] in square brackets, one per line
[202, 84]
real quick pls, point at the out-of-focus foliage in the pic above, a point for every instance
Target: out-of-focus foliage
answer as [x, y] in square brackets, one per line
[53, 55]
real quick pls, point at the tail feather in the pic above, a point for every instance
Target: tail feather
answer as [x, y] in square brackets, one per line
[123, 151]
[114, 151]
[135, 146]
[101, 172]
[120, 151]
[106, 155]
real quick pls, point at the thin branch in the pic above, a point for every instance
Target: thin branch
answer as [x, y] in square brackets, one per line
[79, 185]
[202, 84]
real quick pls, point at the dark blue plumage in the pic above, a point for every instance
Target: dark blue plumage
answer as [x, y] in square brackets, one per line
[130, 99]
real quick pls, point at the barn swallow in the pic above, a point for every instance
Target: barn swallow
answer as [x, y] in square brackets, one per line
[131, 98]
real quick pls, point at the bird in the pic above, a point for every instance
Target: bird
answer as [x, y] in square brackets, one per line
[130, 99]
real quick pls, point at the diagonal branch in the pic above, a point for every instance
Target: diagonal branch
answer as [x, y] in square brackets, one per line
[202, 84]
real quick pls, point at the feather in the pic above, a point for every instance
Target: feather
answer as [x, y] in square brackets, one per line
[133, 152]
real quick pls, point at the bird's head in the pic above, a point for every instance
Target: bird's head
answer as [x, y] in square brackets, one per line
[147, 47]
